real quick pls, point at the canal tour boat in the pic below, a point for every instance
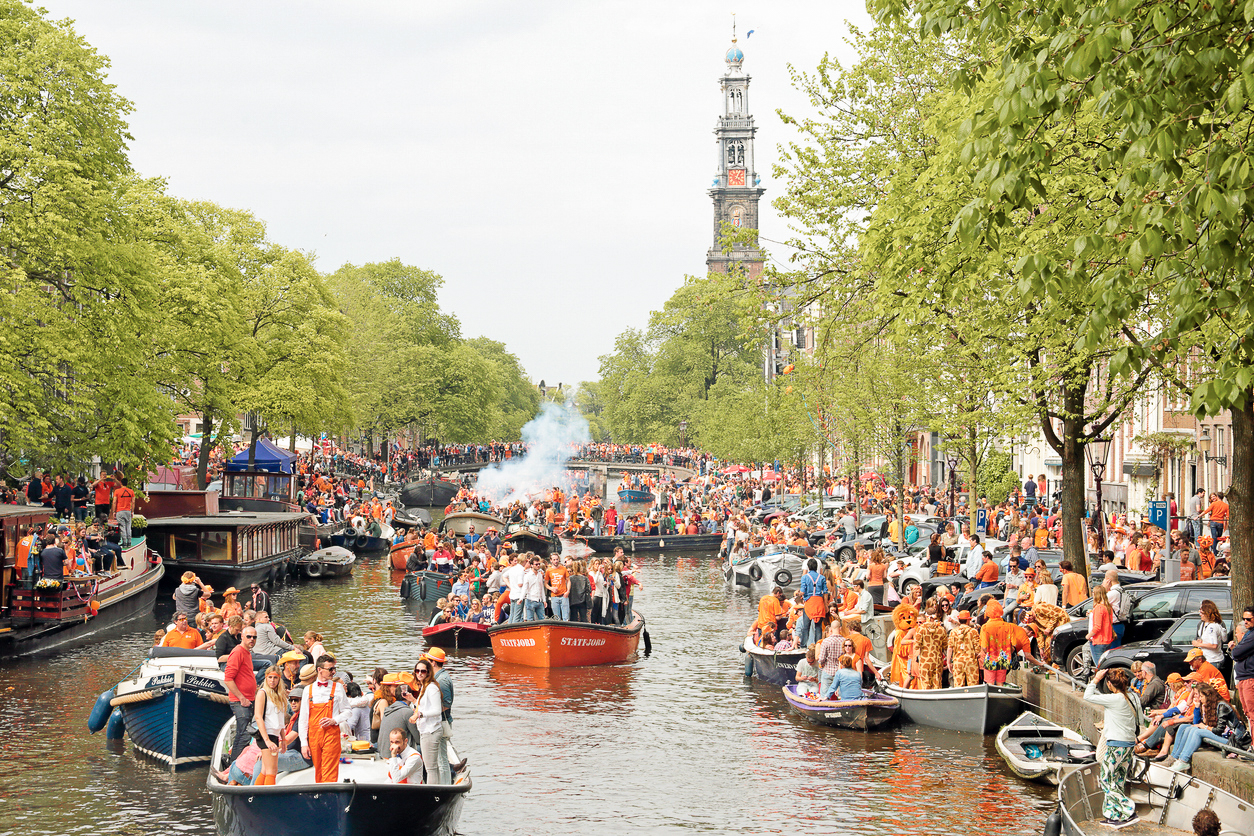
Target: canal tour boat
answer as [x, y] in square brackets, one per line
[654, 543]
[978, 709]
[634, 496]
[230, 549]
[84, 607]
[172, 709]
[363, 803]
[551, 643]
[870, 712]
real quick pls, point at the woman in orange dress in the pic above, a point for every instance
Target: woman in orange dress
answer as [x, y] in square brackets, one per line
[230, 606]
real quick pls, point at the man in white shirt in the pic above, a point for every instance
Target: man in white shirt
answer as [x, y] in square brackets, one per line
[323, 707]
[405, 765]
[514, 578]
[533, 592]
[975, 557]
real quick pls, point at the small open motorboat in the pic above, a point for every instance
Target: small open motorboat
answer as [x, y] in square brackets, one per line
[531, 537]
[870, 712]
[460, 523]
[331, 562]
[399, 554]
[654, 543]
[456, 634]
[356, 538]
[979, 709]
[1166, 802]
[363, 803]
[550, 643]
[410, 518]
[1040, 750]
[774, 565]
[772, 667]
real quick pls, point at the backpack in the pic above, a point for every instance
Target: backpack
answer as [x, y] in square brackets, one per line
[1125, 605]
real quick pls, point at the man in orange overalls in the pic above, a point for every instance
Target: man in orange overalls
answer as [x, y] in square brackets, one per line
[323, 706]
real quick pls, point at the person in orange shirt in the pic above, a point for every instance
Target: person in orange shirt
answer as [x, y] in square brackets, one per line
[999, 641]
[230, 606]
[1075, 589]
[124, 511]
[988, 572]
[1204, 671]
[24, 563]
[102, 490]
[205, 604]
[183, 635]
[1218, 513]
[770, 609]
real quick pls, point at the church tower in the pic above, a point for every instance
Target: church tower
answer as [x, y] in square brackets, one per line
[736, 186]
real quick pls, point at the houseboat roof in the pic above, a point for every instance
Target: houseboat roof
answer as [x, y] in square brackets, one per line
[24, 510]
[228, 519]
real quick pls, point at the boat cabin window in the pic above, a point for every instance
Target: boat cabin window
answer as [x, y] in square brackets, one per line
[185, 548]
[215, 546]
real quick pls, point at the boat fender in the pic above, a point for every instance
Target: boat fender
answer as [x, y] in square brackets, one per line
[1053, 824]
[748, 665]
[361, 541]
[100, 711]
[783, 577]
[313, 570]
[116, 727]
[755, 572]
[406, 582]
[648, 643]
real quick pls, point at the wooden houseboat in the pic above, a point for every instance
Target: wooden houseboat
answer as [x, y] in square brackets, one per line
[229, 549]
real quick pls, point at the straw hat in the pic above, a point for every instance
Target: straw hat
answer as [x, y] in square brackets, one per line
[291, 656]
[307, 674]
[230, 590]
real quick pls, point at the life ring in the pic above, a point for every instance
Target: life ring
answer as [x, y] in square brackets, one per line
[361, 541]
[783, 577]
[755, 572]
[313, 570]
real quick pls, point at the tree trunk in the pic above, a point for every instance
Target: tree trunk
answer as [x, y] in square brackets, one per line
[291, 447]
[206, 446]
[1241, 504]
[252, 446]
[1073, 540]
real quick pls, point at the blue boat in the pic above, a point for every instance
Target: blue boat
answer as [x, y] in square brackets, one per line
[427, 585]
[358, 541]
[175, 707]
[627, 495]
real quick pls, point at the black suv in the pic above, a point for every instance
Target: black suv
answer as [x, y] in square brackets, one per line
[1167, 652]
[1155, 609]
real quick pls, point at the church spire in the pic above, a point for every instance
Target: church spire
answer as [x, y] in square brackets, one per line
[736, 187]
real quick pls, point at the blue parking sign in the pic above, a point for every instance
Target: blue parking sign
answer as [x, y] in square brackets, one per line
[1159, 513]
[981, 521]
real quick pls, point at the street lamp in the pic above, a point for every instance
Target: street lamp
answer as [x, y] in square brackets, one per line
[683, 433]
[951, 459]
[1204, 444]
[1098, 450]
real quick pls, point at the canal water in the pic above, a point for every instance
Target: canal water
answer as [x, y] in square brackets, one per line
[676, 742]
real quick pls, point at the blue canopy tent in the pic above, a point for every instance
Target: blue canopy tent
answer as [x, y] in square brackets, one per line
[268, 458]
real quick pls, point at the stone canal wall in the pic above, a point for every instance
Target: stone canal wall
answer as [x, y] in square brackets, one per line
[1065, 705]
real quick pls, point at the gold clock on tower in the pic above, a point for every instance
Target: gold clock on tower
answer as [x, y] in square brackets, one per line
[735, 177]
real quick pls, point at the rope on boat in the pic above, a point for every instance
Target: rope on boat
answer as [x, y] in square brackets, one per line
[138, 696]
[222, 698]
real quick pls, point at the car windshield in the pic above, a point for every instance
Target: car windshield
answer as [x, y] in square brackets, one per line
[1184, 631]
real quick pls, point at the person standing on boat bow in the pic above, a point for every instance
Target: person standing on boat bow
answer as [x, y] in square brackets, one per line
[814, 595]
[323, 707]
[241, 686]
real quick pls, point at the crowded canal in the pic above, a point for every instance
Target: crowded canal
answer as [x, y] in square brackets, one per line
[674, 741]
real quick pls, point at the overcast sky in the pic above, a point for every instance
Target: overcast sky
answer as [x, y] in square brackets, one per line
[549, 159]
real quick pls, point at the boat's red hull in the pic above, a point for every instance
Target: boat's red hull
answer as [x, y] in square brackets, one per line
[456, 634]
[565, 644]
[400, 554]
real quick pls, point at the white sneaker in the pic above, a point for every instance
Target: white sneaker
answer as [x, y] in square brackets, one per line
[1179, 766]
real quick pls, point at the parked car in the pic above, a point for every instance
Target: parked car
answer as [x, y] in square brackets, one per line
[1154, 610]
[1167, 652]
[924, 573]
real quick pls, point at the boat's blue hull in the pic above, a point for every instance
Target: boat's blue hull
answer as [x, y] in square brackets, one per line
[360, 542]
[635, 496]
[150, 725]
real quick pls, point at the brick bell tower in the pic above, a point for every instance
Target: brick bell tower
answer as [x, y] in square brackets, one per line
[736, 188]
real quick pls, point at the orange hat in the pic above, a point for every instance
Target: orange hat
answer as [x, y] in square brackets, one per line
[1196, 676]
[230, 590]
[1195, 653]
[392, 679]
[436, 654]
[407, 678]
[964, 615]
[1174, 678]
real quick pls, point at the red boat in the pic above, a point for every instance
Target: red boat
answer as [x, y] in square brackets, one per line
[456, 634]
[565, 644]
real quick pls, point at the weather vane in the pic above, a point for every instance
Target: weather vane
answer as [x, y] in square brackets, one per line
[733, 14]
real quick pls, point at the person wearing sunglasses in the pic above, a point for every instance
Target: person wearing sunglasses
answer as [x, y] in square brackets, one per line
[1243, 661]
[322, 709]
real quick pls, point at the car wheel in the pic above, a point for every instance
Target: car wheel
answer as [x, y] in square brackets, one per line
[908, 585]
[845, 554]
[1078, 664]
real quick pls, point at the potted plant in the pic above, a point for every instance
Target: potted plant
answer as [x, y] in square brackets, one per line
[139, 524]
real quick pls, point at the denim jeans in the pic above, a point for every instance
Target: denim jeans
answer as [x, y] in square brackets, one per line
[1096, 651]
[517, 609]
[1118, 628]
[1216, 531]
[124, 523]
[825, 682]
[1196, 527]
[435, 757]
[803, 630]
[534, 610]
[1189, 740]
[290, 761]
[237, 775]
[561, 607]
[243, 716]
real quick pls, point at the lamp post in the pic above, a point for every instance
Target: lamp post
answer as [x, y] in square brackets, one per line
[951, 459]
[1098, 449]
[683, 433]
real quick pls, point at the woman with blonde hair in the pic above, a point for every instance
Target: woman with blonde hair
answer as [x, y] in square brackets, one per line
[313, 645]
[1101, 634]
[270, 713]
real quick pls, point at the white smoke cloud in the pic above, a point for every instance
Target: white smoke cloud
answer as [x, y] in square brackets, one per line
[552, 437]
